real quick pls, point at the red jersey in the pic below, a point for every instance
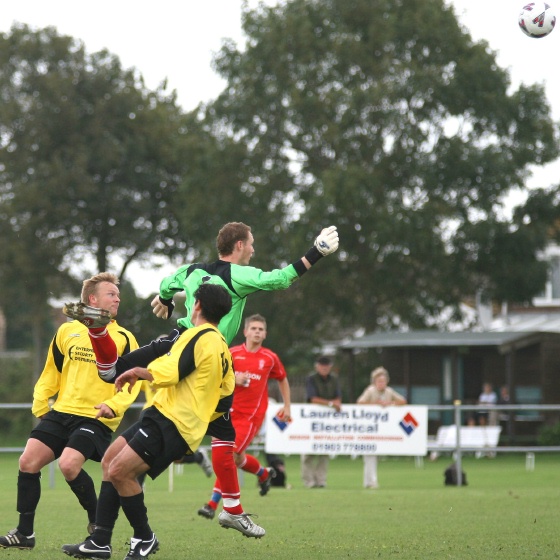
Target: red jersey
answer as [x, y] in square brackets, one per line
[260, 366]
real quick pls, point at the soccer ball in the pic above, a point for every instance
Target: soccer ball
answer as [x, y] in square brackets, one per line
[537, 19]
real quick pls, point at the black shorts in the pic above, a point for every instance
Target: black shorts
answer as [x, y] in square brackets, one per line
[58, 430]
[156, 440]
[222, 428]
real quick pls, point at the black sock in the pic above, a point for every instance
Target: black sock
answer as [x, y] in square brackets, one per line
[28, 496]
[137, 515]
[107, 512]
[84, 489]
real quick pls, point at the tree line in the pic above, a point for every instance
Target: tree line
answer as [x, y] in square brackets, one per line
[384, 118]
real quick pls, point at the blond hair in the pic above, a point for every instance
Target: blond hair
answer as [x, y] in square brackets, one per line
[89, 286]
[378, 372]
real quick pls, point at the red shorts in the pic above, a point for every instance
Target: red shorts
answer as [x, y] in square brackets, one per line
[245, 430]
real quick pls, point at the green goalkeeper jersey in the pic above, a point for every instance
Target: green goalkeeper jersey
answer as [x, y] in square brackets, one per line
[238, 280]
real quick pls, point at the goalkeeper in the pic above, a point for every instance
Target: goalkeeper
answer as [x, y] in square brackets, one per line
[232, 271]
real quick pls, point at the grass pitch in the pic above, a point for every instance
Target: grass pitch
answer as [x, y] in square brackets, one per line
[505, 512]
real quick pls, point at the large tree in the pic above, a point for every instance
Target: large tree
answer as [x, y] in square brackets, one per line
[89, 161]
[388, 120]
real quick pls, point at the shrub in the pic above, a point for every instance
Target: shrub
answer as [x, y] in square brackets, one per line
[549, 435]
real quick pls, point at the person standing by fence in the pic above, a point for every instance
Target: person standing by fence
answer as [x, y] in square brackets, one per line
[379, 393]
[488, 398]
[322, 388]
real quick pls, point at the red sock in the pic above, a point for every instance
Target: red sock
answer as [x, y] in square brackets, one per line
[252, 465]
[104, 348]
[226, 471]
[216, 495]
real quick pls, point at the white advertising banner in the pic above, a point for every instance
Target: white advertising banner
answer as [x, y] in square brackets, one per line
[355, 430]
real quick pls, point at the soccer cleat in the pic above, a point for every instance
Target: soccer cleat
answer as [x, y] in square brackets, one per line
[14, 539]
[87, 549]
[91, 317]
[241, 523]
[141, 549]
[206, 464]
[265, 484]
[207, 511]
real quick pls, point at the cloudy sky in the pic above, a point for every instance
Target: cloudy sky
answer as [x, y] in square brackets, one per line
[175, 40]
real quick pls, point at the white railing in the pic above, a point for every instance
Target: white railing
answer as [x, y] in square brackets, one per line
[458, 449]
[457, 408]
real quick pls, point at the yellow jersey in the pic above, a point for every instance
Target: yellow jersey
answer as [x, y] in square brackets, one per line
[191, 379]
[70, 373]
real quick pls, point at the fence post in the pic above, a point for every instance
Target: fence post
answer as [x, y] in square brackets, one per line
[458, 421]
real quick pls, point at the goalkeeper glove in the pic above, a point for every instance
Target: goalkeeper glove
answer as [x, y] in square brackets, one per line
[162, 308]
[325, 244]
[327, 241]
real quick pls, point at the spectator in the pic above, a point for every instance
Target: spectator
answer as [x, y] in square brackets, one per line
[379, 393]
[322, 388]
[487, 398]
[505, 398]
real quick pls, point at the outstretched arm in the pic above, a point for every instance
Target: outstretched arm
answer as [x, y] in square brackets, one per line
[325, 244]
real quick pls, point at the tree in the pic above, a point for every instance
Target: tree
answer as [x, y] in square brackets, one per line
[388, 120]
[89, 162]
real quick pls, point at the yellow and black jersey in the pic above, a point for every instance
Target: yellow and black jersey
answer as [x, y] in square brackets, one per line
[191, 379]
[149, 393]
[70, 373]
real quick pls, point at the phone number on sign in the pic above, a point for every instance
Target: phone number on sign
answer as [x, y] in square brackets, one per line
[345, 447]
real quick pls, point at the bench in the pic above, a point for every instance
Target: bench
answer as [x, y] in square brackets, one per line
[472, 438]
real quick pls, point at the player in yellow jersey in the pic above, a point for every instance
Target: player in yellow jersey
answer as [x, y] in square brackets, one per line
[81, 422]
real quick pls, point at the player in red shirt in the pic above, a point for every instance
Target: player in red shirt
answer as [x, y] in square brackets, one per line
[254, 365]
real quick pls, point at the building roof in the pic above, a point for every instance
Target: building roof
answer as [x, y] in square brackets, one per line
[504, 340]
[534, 320]
[514, 330]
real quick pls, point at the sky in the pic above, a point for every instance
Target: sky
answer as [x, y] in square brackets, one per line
[175, 40]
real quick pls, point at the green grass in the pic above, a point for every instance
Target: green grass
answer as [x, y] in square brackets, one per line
[504, 513]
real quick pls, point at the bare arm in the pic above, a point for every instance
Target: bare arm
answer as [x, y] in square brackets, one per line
[284, 387]
[131, 377]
